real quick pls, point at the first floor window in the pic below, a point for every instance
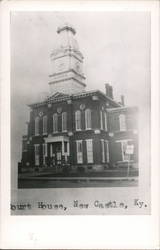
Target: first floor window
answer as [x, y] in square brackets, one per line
[37, 126]
[44, 152]
[79, 152]
[103, 150]
[55, 123]
[124, 144]
[107, 151]
[36, 152]
[44, 124]
[89, 146]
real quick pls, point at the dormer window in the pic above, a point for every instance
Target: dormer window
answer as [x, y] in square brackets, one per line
[122, 122]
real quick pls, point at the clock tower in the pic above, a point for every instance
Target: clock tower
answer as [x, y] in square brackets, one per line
[67, 61]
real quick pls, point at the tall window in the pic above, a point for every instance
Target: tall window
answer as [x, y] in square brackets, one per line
[55, 123]
[44, 152]
[64, 121]
[103, 150]
[79, 152]
[36, 153]
[89, 146]
[101, 119]
[107, 151]
[44, 124]
[37, 126]
[105, 121]
[122, 122]
[78, 119]
[88, 119]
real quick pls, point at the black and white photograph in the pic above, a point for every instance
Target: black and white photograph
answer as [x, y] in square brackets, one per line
[79, 124]
[80, 111]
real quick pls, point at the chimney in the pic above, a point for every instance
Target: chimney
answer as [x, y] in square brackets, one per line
[122, 100]
[109, 90]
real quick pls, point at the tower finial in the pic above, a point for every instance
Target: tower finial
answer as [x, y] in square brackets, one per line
[67, 27]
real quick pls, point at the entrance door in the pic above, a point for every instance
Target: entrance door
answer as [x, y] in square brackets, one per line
[58, 149]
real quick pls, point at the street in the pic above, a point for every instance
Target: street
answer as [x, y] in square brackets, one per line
[44, 183]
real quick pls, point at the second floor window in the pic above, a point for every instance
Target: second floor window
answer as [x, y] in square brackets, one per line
[105, 121]
[37, 126]
[78, 120]
[44, 124]
[64, 121]
[88, 119]
[101, 119]
[55, 123]
[122, 122]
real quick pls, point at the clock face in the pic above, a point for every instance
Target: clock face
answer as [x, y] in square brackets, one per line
[61, 66]
[78, 68]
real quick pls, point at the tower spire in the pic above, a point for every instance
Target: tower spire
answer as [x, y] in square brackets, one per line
[67, 61]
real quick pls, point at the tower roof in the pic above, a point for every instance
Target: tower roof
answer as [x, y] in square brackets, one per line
[66, 40]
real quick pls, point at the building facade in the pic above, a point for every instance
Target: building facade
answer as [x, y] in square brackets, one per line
[73, 127]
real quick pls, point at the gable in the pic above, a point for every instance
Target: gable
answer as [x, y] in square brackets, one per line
[56, 96]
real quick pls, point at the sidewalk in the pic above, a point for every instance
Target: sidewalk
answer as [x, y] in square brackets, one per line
[109, 173]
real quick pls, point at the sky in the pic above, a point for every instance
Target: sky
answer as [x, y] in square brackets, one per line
[116, 50]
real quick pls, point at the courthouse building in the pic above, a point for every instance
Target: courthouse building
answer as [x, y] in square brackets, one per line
[73, 127]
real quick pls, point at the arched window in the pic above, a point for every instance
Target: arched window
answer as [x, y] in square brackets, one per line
[78, 119]
[64, 121]
[44, 124]
[55, 123]
[122, 122]
[88, 124]
[37, 125]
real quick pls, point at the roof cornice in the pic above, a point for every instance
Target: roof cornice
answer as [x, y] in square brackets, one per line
[76, 96]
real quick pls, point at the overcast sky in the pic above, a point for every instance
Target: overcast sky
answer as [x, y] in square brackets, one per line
[115, 46]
